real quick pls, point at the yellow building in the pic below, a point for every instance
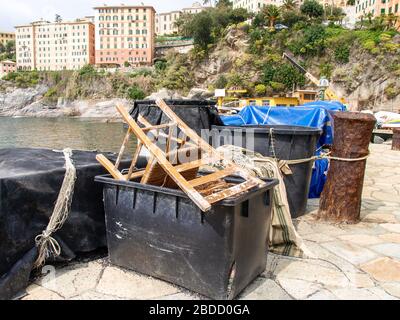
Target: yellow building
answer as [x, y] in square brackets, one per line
[6, 36]
[299, 98]
[269, 102]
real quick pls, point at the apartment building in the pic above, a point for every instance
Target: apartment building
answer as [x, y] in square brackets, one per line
[125, 34]
[195, 8]
[364, 7]
[165, 22]
[255, 5]
[7, 66]
[47, 46]
[388, 7]
[6, 36]
[335, 3]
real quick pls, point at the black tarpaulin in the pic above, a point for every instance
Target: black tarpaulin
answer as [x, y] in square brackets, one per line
[30, 180]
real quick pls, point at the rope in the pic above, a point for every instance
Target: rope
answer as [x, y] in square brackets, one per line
[46, 244]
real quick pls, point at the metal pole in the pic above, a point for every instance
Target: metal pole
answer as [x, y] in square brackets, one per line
[341, 198]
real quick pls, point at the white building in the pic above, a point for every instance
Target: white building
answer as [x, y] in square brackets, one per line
[165, 22]
[254, 5]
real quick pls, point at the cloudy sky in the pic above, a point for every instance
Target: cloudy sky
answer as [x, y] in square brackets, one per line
[16, 12]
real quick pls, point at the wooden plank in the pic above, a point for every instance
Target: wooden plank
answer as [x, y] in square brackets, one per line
[196, 139]
[212, 153]
[180, 168]
[110, 167]
[217, 197]
[122, 150]
[212, 177]
[159, 127]
[162, 160]
[134, 160]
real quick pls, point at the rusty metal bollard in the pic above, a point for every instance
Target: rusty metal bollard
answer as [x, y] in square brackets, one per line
[396, 139]
[341, 197]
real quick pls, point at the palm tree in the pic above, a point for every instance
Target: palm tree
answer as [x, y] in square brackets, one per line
[272, 13]
[289, 5]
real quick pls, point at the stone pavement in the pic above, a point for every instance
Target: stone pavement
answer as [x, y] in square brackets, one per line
[359, 261]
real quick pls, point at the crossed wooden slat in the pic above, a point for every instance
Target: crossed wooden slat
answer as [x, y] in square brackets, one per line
[183, 175]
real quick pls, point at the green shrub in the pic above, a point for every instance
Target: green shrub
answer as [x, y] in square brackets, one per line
[135, 93]
[260, 89]
[342, 53]
[221, 82]
[87, 70]
[326, 70]
[160, 66]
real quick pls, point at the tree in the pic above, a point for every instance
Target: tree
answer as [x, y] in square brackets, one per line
[272, 13]
[334, 14]
[289, 5]
[312, 9]
[239, 15]
[200, 28]
[224, 3]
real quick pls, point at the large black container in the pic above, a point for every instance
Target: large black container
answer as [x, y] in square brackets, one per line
[162, 233]
[289, 143]
[197, 114]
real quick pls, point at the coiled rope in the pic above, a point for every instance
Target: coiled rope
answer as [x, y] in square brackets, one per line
[46, 244]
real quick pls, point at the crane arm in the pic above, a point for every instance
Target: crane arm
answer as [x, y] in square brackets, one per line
[329, 92]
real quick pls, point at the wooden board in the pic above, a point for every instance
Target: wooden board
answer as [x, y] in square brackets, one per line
[163, 170]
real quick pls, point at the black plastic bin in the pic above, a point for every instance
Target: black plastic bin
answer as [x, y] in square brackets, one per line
[290, 143]
[161, 233]
[197, 114]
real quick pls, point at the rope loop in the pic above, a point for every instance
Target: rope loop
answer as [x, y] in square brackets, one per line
[46, 244]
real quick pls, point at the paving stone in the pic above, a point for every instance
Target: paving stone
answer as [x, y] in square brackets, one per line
[350, 252]
[264, 289]
[357, 294]
[181, 296]
[330, 260]
[391, 227]
[299, 289]
[318, 237]
[304, 227]
[361, 239]
[388, 249]
[360, 280]
[308, 271]
[130, 285]
[393, 288]
[363, 228]
[93, 295]
[35, 292]
[322, 295]
[382, 294]
[380, 218]
[385, 196]
[391, 237]
[383, 269]
[329, 229]
[73, 280]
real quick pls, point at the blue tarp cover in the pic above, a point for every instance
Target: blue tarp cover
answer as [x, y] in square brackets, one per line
[316, 114]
